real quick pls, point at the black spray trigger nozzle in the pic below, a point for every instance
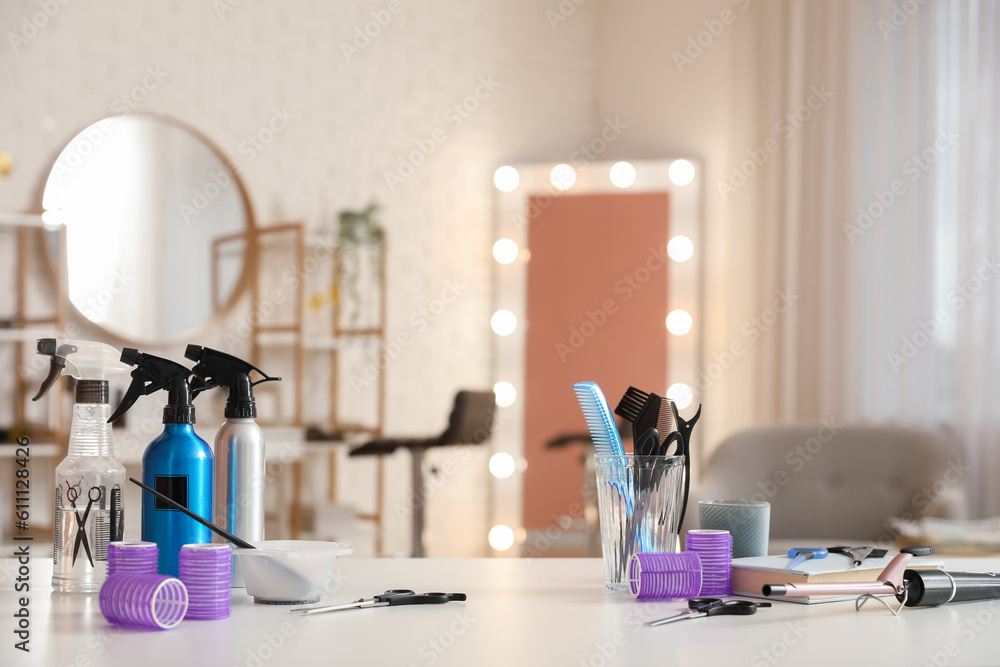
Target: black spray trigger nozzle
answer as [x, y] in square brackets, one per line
[56, 365]
[220, 369]
[152, 374]
[131, 356]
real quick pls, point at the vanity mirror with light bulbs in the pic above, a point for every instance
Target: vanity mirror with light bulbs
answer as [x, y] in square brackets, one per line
[598, 277]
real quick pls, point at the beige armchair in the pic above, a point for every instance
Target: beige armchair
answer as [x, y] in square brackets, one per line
[832, 480]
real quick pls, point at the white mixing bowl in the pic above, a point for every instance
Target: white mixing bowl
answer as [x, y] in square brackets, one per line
[289, 571]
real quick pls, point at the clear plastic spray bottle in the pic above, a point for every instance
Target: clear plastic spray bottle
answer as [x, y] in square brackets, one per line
[89, 481]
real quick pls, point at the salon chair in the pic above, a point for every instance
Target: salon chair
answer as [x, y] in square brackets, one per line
[826, 480]
[470, 423]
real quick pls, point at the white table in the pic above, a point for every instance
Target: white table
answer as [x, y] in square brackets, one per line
[519, 612]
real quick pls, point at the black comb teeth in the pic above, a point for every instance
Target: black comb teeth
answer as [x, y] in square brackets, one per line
[631, 405]
[666, 424]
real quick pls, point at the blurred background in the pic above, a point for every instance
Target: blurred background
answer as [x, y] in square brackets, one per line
[785, 211]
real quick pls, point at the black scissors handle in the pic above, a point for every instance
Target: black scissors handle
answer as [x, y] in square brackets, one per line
[73, 491]
[718, 607]
[400, 596]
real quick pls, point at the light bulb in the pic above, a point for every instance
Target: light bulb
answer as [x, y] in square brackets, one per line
[679, 322]
[501, 537]
[680, 394]
[680, 248]
[502, 465]
[505, 393]
[681, 172]
[506, 179]
[562, 176]
[505, 251]
[503, 322]
[622, 174]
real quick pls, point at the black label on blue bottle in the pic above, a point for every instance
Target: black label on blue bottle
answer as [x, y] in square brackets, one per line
[174, 487]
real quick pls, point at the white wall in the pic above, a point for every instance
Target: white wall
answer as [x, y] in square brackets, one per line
[678, 108]
[227, 74]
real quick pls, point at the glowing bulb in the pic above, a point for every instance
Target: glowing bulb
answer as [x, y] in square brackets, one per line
[622, 174]
[680, 394]
[502, 465]
[505, 251]
[679, 322]
[506, 394]
[506, 179]
[680, 248]
[501, 537]
[562, 176]
[503, 322]
[681, 172]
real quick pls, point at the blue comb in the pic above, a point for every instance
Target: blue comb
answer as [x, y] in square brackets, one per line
[607, 440]
[601, 424]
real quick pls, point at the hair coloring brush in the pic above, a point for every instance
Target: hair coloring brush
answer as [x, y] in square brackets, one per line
[642, 410]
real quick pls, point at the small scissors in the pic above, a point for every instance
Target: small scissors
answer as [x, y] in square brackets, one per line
[81, 526]
[388, 599]
[700, 607]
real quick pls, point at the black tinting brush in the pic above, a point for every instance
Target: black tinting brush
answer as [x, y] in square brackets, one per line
[642, 410]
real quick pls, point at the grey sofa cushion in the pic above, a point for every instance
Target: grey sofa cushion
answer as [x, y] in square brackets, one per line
[828, 479]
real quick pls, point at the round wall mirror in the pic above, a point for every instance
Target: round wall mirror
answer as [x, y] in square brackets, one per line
[159, 231]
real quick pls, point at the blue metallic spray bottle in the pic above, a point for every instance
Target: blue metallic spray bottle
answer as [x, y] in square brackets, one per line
[177, 463]
[180, 465]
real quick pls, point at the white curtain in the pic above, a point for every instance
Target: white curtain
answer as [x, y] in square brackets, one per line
[865, 183]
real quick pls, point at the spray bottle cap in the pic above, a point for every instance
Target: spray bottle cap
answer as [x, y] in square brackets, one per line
[85, 360]
[179, 409]
[154, 373]
[224, 370]
[240, 403]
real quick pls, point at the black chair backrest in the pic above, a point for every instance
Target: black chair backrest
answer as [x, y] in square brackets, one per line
[471, 419]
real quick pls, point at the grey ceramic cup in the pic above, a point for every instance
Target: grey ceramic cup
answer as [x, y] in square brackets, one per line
[749, 522]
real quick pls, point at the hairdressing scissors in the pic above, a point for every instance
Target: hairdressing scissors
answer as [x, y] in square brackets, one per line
[388, 599]
[81, 526]
[700, 607]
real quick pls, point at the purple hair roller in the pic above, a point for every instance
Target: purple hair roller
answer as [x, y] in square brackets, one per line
[664, 575]
[715, 547]
[143, 600]
[135, 557]
[206, 570]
